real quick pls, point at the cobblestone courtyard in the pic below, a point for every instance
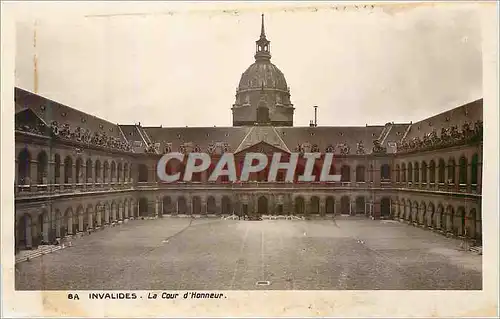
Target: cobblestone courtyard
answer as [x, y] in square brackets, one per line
[177, 254]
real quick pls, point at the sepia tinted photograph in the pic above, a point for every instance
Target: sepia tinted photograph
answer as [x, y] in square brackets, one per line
[329, 148]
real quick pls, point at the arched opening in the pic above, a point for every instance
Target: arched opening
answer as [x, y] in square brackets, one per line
[474, 169]
[143, 173]
[57, 169]
[424, 172]
[345, 173]
[42, 168]
[410, 172]
[197, 205]
[440, 218]
[167, 205]
[385, 207]
[422, 214]
[462, 171]
[24, 231]
[431, 218]
[360, 173]
[182, 205]
[88, 171]
[143, 206]
[471, 224]
[262, 205]
[414, 213]
[417, 173]
[119, 173]
[89, 217]
[451, 171]
[432, 172]
[397, 174]
[450, 216]
[97, 170]
[78, 220]
[211, 205]
[314, 205]
[226, 206]
[79, 170]
[125, 172]
[360, 205]
[68, 170]
[113, 171]
[345, 205]
[330, 205]
[408, 212]
[23, 168]
[441, 169]
[460, 221]
[299, 205]
[105, 172]
[68, 222]
[385, 173]
[403, 173]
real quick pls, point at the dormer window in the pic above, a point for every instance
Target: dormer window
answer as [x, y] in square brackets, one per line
[83, 120]
[63, 114]
[227, 134]
[178, 135]
[447, 119]
[101, 126]
[42, 107]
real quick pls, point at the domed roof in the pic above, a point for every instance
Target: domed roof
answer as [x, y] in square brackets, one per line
[262, 74]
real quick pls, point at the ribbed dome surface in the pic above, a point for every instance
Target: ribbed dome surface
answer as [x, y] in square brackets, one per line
[262, 72]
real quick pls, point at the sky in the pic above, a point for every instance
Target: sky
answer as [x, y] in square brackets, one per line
[179, 65]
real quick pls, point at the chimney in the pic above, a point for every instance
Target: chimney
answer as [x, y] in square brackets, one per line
[311, 123]
[315, 116]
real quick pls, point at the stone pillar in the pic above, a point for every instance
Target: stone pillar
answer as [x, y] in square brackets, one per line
[203, 200]
[376, 209]
[90, 217]
[70, 224]
[120, 211]
[189, 204]
[307, 204]
[99, 215]
[33, 173]
[29, 236]
[46, 228]
[322, 205]
[106, 214]
[80, 221]
[350, 206]
[157, 207]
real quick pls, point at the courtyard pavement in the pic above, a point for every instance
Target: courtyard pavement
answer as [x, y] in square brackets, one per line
[205, 254]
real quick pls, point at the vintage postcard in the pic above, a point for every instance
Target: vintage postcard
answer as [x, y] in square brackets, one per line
[243, 159]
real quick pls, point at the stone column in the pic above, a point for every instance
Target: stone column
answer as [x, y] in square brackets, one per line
[189, 203]
[120, 211]
[106, 214]
[322, 205]
[350, 206]
[80, 220]
[70, 224]
[203, 203]
[29, 237]
[90, 217]
[307, 204]
[32, 177]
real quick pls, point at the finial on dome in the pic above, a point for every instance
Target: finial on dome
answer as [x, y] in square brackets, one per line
[263, 47]
[262, 30]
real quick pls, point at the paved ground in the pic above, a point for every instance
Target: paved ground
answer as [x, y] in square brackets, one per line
[227, 254]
